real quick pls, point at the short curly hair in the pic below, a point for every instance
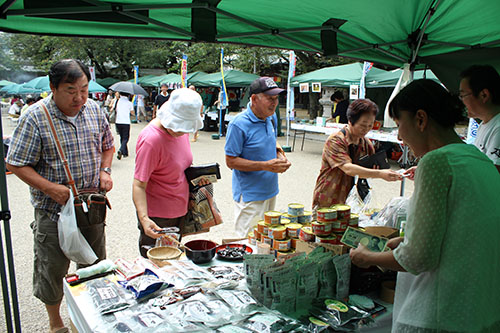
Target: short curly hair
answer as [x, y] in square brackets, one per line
[359, 107]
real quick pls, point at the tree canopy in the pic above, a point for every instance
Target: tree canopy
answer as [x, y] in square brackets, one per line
[115, 57]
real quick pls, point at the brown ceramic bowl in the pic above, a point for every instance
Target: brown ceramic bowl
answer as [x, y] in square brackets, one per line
[202, 250]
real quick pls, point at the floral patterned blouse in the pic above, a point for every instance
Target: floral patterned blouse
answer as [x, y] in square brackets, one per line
[333, 185]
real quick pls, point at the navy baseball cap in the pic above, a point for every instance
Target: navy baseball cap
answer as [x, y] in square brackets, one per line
[265, 85]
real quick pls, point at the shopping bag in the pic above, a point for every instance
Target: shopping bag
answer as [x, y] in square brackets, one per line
[74, 246]
[359, 197]
[203, 212]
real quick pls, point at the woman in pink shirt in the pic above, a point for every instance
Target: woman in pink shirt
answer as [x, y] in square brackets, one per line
[160, 190]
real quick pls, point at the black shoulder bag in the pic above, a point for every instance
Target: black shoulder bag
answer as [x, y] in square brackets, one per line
[362, 184]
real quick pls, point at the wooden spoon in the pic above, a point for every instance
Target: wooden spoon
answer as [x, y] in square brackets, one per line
[177, 242]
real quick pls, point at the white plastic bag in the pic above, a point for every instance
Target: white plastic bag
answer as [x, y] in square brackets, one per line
[358, 205]
[74, 246]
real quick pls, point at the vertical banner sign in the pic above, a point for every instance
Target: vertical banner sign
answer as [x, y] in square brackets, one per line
[472, 131]
[184, 70]
[224, 102]
[290, 96]
[223, 85]
[92, 73]
[366, 68]
[136, 81]
[290, 100]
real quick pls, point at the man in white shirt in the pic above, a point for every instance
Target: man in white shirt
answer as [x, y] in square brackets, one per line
[480, 92]
[141, 109]
[124, 108]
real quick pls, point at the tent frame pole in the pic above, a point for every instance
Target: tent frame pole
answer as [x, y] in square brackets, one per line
[421, 34]
[5, 217]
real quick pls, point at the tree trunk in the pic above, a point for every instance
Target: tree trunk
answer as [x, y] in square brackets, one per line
[314, 106]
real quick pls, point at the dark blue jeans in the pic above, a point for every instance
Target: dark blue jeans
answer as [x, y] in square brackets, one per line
[123, 131]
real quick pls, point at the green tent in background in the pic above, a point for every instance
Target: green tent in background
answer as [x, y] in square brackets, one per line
[4, 83]
[233, 78]
[157, 80]
[107, 81]
[390, 78]
[446, 35]
[339, 76]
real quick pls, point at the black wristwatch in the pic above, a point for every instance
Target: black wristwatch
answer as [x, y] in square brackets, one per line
[107, 170]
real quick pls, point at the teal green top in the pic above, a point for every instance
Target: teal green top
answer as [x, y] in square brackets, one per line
[452, 245]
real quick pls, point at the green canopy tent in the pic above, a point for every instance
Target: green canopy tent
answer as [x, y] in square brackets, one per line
[4, 83]
[171, 78]
[340, 76]
[445, 35]
[232, 78]
[42, 83]
[391, 32]
[15, 88]
[107, 81]
[390, 78]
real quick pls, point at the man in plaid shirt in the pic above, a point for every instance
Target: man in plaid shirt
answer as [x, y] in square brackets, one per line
[87, 142]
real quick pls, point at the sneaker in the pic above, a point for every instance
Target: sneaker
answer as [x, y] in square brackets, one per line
[119, 155]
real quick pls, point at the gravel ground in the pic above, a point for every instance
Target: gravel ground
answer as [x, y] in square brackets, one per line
[296, 185]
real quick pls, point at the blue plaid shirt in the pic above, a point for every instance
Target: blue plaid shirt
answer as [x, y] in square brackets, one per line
[83, 141]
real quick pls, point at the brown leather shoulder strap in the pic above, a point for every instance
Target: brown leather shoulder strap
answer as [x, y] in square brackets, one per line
[60, 150]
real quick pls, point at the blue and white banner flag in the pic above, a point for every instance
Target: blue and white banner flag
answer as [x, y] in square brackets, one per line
[366, 68]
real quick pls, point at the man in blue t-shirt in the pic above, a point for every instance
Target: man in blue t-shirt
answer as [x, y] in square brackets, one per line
[255, 156]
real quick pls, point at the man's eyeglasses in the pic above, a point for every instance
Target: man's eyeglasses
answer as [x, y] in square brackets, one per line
[462, 96]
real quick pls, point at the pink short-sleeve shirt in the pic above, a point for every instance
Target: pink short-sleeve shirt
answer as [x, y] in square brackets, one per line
[160, 161]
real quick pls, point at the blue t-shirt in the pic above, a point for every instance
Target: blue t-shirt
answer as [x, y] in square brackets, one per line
[253, 139]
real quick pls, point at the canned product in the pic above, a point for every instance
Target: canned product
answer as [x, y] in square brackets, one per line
[293, 230]
[327, 240]
[296, 209]
[281, 245]
[272, 217]
[338, 235]
[257, 234]
[293, 243]
[284, 221]
[321, 229]
[338, 226]
[266, 240]
[277, 232]
[354, 220]
[306, 218]
[292, 218]
[251, 238]
[343, 212]
[326, 214]
[282, 253]
[262, 227]
[343, 225]
[306, 234]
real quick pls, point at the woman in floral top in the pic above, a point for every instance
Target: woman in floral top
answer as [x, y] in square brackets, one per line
[342, 150]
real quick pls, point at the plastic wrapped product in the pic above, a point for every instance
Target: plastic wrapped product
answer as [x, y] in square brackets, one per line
[226, 272]
[127, 269]
[240, 301]
[220, 312]
[307, 284]
[343, 269]
[149, 319]
[282, 283]
[106, 295]
[327, 277]
[143, 285]
[339, 315]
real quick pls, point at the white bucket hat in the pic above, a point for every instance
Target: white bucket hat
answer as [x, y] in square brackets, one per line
[181, 113]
